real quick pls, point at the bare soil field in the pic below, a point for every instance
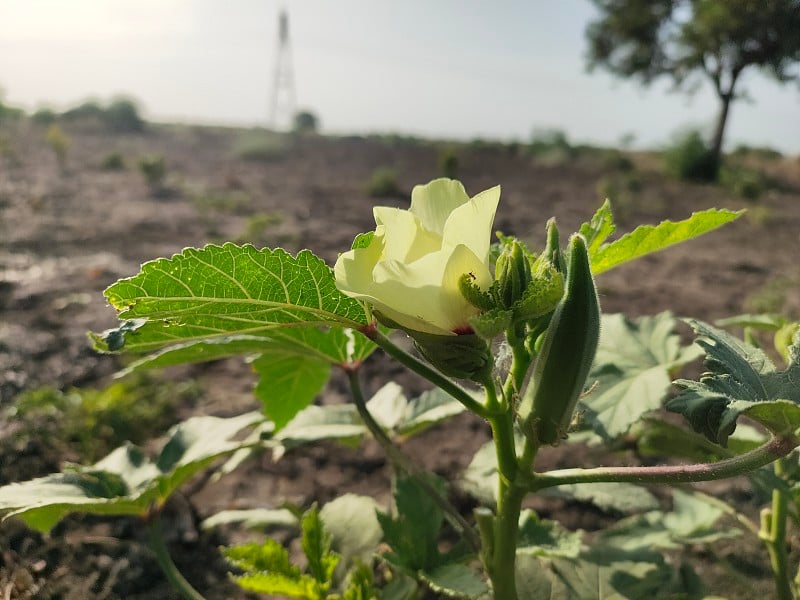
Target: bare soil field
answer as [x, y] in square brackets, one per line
[68, 231]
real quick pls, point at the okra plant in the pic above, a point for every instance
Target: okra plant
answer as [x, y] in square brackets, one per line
[513, 335]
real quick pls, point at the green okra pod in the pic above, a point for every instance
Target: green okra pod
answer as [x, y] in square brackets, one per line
[566, 354]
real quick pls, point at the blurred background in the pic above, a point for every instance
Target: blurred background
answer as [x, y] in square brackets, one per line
[448, 69]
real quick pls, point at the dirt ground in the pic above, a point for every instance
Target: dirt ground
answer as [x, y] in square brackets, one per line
[67, 233]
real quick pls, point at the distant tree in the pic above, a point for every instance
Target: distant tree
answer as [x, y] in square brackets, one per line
[305, 122]
[691, 39]
[122, 116]
[90, 109]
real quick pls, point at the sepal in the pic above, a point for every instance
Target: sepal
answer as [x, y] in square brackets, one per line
[460, 356]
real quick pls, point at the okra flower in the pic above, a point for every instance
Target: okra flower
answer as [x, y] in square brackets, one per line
[410, 270]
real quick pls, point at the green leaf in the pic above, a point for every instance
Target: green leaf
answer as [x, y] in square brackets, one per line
[353, 525]
[401, 587]
[607, 574]
[479, 479]
[652, 238]
[741, 379]
[362, 240]
[455, 581]
[535, 580]
[125, 482]
[202, 351]
[396, 414]
[225, 290]
[632, 370]
[254, 518]
[360, 584]
[546, 538]
[274, 584]
[314, 423]
[413, 534]
[692, 520]
[337, 345]
[388, 406]
[287, 384]
[316, 544]
[622, 497]
[428, 409]
[599, 228]
[269, 556]
[768, 322]
[657, 438]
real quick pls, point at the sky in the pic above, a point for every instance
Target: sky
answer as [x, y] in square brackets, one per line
[457, 69]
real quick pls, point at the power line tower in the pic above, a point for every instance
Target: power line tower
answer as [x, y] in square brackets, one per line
[283, 93]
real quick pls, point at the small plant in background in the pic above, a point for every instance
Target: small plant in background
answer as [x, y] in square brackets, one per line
[8, 113]
[448, 162]
[89, 110]
[551, 146]
[746, 183]
[59, 143]
[113, 162]
[86, 424]
[257, 226]
[614, 160]
[210, 203]
[154, 169]
[383, 183]
[771, 297]
[261, 146]
[305, 122]
[44, 116]
[690, 159]
[7, 151]
[759, 152]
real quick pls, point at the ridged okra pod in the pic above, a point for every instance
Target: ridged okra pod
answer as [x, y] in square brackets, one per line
[566, 354]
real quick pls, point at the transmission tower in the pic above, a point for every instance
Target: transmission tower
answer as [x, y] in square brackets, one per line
[283, 93]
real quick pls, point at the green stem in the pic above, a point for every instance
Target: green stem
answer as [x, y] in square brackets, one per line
[501, 566]
[428, 372]
[773, 534]
[775, 448]
[502, 571]
[402, 462]
[164, 559]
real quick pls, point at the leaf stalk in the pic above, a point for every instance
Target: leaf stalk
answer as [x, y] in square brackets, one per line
[777, 447]
[405, 464]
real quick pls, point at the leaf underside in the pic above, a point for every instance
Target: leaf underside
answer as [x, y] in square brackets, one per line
[740, 380]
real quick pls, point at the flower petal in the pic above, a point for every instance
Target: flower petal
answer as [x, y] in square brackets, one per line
[406, 240]
[471, 223]
[433, 203]
[353, 269]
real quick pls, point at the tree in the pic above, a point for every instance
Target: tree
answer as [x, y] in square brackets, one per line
[693, 39]
[305, 122]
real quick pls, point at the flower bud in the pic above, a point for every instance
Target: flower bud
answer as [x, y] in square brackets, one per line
[512, 272]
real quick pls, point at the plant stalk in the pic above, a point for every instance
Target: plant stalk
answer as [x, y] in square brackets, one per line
[502, 570]
[501, 566]
[159, 547]
[773, 534]
[405, 464]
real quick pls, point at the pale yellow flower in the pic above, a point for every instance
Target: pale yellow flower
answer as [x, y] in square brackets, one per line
[410, 270]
